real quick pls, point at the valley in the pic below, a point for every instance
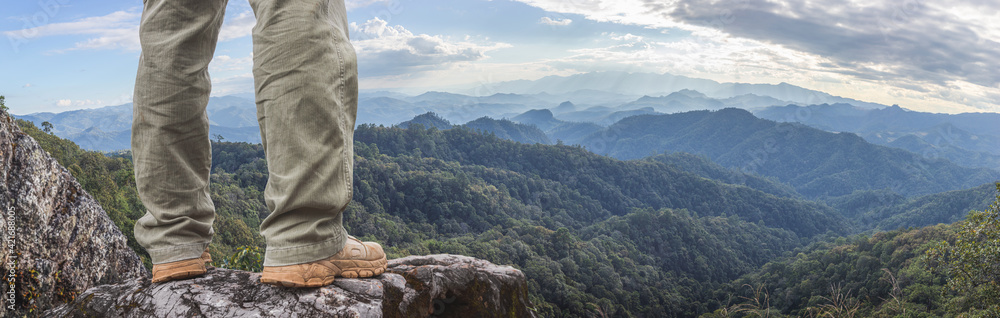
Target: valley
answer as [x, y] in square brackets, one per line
[694, 201]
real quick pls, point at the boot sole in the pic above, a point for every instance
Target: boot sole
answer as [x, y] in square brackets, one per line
[344, 268]
[362, 269]
[184, 269]
[180, 273]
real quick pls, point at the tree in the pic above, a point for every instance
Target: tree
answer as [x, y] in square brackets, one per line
[3, 106]
[972, 261]
[47, 127]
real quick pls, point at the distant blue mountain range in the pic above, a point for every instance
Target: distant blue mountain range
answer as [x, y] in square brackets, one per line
[569, 109]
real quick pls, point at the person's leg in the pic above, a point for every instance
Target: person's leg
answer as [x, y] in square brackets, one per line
[305, 75]
[170, 142]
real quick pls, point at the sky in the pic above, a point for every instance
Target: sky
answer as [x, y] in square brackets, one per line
[933, 56]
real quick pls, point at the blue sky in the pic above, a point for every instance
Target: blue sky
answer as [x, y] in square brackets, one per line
[939, 56]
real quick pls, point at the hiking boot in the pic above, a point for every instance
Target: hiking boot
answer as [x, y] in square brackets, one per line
[182, 269]
[356, 259]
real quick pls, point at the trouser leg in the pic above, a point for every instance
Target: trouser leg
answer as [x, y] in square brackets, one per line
[305, 75]
[170, 142]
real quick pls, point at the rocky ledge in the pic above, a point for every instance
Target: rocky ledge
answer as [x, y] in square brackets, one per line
[417, 286]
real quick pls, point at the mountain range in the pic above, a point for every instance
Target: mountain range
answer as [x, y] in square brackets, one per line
[663, 84]
[969, 139]
[569, 109]
[815, 162]
[942, 152]
[601, 98]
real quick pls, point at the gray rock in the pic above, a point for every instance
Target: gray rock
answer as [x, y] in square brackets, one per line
[415, 286]
[56, 239]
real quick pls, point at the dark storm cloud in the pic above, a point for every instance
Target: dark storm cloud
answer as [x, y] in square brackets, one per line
[908, 40]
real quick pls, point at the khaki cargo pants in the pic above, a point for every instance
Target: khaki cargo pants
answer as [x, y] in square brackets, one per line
[305, 78]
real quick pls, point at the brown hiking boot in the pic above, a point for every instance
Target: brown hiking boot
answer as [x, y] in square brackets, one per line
[182, 269]
[356, 259]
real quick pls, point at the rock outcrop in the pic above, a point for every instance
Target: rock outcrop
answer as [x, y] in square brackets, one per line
[57, 241]
[415, 286]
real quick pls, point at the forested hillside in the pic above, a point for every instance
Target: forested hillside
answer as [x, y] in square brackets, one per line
[969, 139]
[818, 164]
[883, 210]
[596, 236]
[630, 258]
[593, 234]
[947, 207]
[947, 270]
[510, 130]
[615, 186]
[704, 167]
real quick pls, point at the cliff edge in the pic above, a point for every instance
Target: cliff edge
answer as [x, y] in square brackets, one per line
[57, 241]
[416, 286]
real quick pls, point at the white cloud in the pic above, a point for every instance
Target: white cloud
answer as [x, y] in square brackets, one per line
[90, 25]
[555, 22]
[355, 4]
[79, 103]
[913, 48]
[118, 30]
[228, 63]
[483, 78]
[241, 83]
[238, 26]
[124, 39]
[27, 85]
[392, 50]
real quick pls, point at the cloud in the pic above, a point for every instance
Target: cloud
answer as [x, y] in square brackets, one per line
[228, 63]
[392, 50]
[902, 44]
[27, 85]
[908, 39]
[355, 4]
[238, 26]
[80, 103]
[242, 83]
[555, 22]
[118, 30]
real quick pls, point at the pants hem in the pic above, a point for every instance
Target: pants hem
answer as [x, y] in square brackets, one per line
[284, 256]
[177, 252]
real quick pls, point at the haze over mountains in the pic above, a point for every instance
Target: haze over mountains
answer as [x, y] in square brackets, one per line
[600, 97]
[570, 109]
[815, 162]
[970, 139]
[664, 84]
